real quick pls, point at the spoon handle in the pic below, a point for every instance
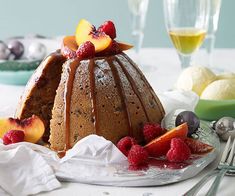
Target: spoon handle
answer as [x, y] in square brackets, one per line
[214, 187]
[194, 190]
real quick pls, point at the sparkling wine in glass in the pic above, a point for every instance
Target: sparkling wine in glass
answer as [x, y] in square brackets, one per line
[187, 24]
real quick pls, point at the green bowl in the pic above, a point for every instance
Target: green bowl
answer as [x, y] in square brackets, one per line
[15, 77]
[18, 65]
[17, 72]
[215, 109]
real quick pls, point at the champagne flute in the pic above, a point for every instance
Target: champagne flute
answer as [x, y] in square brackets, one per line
[138, 9]
[212, 28]
[187, 24]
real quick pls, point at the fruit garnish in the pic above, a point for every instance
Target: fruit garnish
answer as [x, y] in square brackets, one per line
[125, 144]
[69, 47]
[32, 127]
[108, 28]
[102, 38]
[13, 136]
[86, 50]
[179, 151]
[151, 131]
[114, 48]
[190, 118]
[161, 145]
[137, 155]
[86, 32]
[111, 50]
[197, 147]
[124, 46]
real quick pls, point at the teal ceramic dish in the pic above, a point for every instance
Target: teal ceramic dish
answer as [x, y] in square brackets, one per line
[15, 77]
[215, 109]
[17, 72]
[19, 65]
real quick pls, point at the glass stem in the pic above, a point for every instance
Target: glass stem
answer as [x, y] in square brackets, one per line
[185, 60]
[137, 31]
[210, 44]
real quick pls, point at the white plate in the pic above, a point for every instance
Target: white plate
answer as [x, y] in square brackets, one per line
[117, 175]
[120, 175]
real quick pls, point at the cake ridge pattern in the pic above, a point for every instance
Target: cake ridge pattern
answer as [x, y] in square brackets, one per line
[92, 96]
[118, 84]
[67, 100]
[108, 96]
[113, 63]
[134, 88]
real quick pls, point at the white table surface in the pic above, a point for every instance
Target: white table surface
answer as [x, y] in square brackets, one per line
[162, 76]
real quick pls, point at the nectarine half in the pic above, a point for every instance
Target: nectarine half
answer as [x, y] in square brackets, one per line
[33, 127]
[87, 32]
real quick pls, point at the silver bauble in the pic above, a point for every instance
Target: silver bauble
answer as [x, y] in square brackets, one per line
[225, 127]
[4, 51]
[36, 50]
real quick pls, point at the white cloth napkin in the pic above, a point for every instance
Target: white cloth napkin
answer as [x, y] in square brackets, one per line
[24, 171]
[177, 99]
[88, 158]
[27, 168]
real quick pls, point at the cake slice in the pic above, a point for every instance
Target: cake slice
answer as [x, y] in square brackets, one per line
[39, 94]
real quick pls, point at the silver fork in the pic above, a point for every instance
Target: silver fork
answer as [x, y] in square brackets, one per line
[226, 164]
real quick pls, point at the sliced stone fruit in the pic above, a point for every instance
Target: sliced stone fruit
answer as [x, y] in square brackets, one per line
[124, 46]
[197, 147]
[69, 47]
[32, 127]
[160, 146]
[87, 32]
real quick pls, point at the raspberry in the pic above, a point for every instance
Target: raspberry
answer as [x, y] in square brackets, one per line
[68, 53]
[137, 155]
[125, 144]
[112, 49]
[86, 50]
[13, 136]
[151, 131]
[179, 151]
[108, 28]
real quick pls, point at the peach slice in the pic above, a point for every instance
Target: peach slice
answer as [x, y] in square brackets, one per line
[69, 47]
[161, 145]
[86, 32]
[114, 48]
[124, 46]
[33, 127]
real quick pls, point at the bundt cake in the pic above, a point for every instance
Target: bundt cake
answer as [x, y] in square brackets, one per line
[104, 95]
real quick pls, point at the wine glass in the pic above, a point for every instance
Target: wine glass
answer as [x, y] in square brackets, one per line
[138, 10]
[212, 28]
[187, 24]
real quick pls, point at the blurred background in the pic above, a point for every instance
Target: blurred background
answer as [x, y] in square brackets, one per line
[60, 17]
